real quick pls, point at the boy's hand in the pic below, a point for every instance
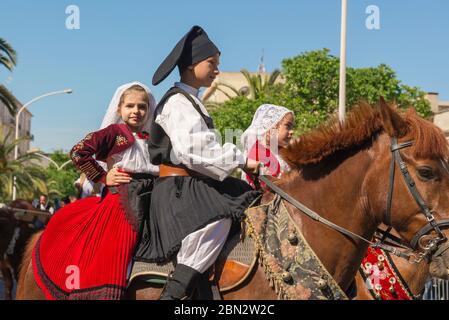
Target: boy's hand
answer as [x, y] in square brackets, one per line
[252, 166]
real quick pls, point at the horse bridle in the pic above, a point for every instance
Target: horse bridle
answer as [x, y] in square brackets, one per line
[432, 248]
[432, 224]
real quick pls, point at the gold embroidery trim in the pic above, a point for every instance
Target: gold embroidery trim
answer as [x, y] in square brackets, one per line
[90, 171]
[120, 140]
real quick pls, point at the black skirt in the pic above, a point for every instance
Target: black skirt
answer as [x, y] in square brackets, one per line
[135, 199]
[182, 205]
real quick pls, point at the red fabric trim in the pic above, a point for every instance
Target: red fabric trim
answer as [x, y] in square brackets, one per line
[258, 152]
[143, 135]
[381, 278]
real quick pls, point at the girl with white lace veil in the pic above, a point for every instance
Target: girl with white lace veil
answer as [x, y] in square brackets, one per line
[96, 236]
[135, 158]
[271, 130]
[112, 117]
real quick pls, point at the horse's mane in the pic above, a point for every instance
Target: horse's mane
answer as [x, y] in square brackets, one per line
[363, 123]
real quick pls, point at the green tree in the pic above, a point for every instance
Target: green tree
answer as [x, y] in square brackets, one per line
[312, 81]
[312, 86]
[260, 85]
[30, 177]
[8, 59]
[61, 182]
[311, 90]
[237, 113]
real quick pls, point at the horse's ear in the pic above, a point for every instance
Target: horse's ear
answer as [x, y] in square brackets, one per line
[393, 123]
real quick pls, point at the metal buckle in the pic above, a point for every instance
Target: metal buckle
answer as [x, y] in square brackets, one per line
[421, 245]
[414, 259]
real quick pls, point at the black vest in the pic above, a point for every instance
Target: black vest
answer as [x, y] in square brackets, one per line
[159, 145]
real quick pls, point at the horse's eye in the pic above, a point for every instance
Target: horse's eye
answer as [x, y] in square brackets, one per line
[426, 173]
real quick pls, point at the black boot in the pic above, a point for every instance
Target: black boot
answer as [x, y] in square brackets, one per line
[180, 284]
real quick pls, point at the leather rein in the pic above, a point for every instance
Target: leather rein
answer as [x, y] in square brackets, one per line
[388, 242]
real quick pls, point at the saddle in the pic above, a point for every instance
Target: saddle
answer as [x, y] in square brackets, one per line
[234, 264]
[274, 241]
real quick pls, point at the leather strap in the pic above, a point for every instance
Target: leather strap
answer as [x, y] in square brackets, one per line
[315, 216]
[170, 171]
[396, 158]
[175, 90]
[425, 230]
[309, 212]
[395, 147]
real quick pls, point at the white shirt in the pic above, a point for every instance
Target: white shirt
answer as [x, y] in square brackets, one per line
[43, 207]
[193, 144]
[86, 187]
[135, 159]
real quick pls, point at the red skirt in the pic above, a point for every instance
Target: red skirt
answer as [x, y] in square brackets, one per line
[85, 250]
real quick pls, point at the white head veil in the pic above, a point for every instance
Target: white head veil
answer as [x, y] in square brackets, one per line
[267, 116]
[112, 117]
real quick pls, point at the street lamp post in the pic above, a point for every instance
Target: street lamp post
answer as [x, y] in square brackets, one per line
[16, 148]
[342, 89]
[58, 167]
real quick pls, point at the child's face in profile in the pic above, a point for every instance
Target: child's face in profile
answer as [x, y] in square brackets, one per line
[206, 71]
[285, 130]
[134, 109]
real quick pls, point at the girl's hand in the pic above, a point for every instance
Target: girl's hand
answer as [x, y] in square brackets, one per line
[116, 177]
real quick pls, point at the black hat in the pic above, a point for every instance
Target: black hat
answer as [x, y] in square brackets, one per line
[194, 47]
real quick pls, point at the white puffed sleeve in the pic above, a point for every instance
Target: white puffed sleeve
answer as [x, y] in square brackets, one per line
[193, 144]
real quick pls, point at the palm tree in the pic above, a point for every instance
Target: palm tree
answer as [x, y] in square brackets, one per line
[258, 84]
[8, 100]
[8, 59]
[30, 178]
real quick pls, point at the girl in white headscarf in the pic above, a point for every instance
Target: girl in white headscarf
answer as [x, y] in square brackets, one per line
[271, 130]
[87, 246]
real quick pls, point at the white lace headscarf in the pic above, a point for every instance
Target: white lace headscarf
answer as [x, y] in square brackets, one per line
[267, 116]
[112, 117]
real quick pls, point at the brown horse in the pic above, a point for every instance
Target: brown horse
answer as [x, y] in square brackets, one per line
[14, 233]
[7, 226]
[342, 172]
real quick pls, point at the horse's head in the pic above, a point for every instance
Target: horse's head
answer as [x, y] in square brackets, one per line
[413, 194]
[413, 198]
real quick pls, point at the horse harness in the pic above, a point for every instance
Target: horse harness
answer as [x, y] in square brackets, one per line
[432, 249]
[20, 213]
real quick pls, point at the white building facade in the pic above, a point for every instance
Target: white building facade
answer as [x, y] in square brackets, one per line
[8, 123]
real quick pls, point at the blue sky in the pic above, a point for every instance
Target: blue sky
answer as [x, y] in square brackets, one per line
[121, 41]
